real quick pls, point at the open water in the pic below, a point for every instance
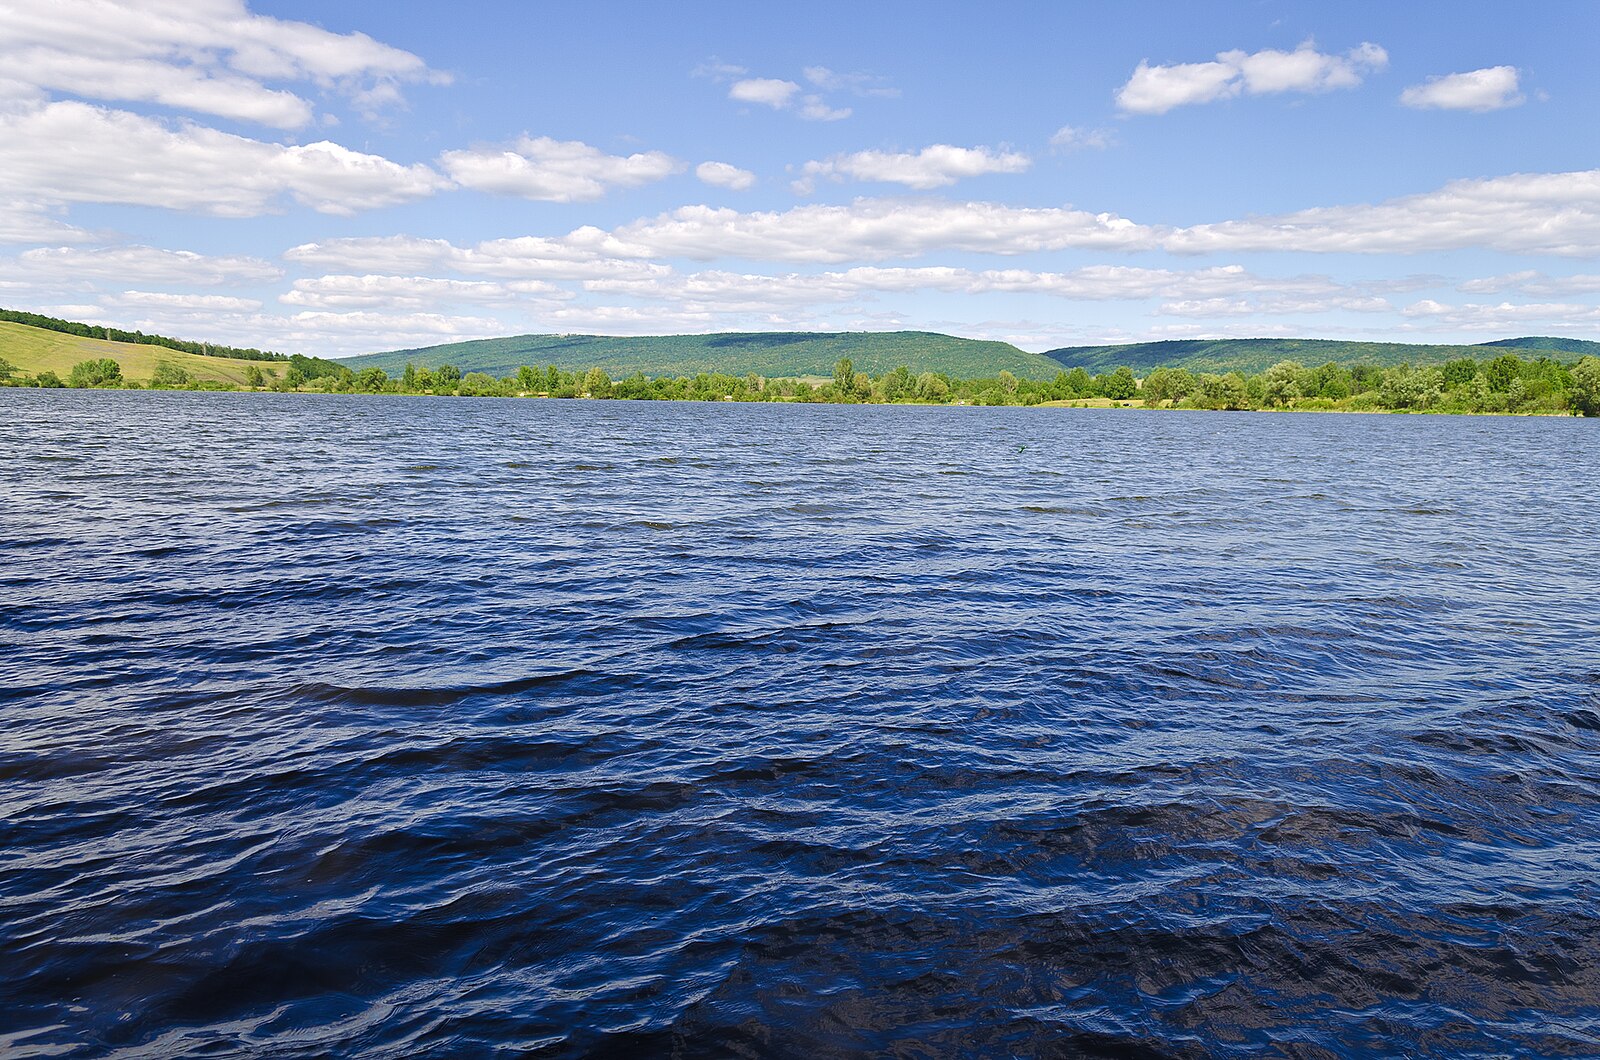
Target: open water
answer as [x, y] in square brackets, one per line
[418, 727]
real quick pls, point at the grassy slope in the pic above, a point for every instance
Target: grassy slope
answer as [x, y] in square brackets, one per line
[780, 354]
[34, 350]
[1256, 355]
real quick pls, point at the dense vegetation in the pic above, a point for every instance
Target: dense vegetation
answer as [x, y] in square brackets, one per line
[95, 331]
[1502, 384]
[807, 354]
[773, 354]
[1257, 355]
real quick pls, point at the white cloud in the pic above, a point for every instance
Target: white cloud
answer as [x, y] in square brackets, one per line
[1504, 317]
[1223, 307]
[525, 257]
[767, 91]
[932, 167]
[554, 170]
[207, 56]
[153, 81]
[1071, 138]
[782, 95]
[1533, 213]
[725, 175]
[729, 292]
[1492, 88]
[411, 292]
[140, 264]
[813, 108]
[1554, 213]
[371, 331]
[165, 300]
[24, 222]
[1534, 283]
[1158, 89]
[867, 229]
[74, 152]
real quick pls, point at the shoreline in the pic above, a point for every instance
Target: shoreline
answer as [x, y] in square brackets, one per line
[1078, 405]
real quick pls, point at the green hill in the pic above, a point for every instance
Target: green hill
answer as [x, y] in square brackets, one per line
[33, 350]
[772, 354]
[798, 353]
[1561, 349]
[1257, 355]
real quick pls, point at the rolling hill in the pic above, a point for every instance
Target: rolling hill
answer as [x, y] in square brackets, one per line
[772, 354]
[1566, 349]
[780, 354]
[34, 350]
[1256, 355]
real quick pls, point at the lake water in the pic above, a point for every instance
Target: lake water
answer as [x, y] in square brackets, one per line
[395, 727]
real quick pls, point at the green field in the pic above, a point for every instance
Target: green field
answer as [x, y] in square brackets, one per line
[34, 350]
[771, 354]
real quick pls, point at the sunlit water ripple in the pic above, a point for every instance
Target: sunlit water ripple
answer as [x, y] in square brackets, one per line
[401, 727]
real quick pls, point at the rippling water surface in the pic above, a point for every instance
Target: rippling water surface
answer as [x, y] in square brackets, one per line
[402, 727]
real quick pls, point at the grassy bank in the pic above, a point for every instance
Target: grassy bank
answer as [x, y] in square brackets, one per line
[34, 351]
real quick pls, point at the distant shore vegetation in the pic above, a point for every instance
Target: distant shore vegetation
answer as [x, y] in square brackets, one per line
[1502, 384]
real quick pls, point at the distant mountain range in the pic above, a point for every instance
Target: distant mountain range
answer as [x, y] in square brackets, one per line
[783, 354]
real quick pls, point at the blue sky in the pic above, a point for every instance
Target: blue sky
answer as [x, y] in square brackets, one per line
[335, 179]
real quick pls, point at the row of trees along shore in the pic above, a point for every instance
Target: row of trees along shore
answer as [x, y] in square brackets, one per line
[1505, 383]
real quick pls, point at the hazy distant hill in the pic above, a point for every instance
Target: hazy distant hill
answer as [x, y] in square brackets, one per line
[773, 354]
[798, 353]
[1255, 355]
[1565, 349]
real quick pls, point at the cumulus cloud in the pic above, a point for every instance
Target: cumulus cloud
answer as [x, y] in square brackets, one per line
[74, 152]
[1541, 213]
[526, 257]
[554, 170]
[1533, 282]
[1256, 306]
[932, 167]
[1534, 213]
[1158, 89]
[767, 91]
[141, 264]
[411, 292]
[867, 229]
[730, 291]
[23, 222]
[369, 331]
[197, 302]
[784, 95]
[725, 175]
[1492, 88]
[207, 56]
[1503, 317]
[1556, 213]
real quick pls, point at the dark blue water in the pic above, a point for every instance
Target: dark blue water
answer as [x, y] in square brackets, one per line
[394, 727]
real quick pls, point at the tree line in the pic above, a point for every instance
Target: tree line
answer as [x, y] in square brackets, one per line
[1502, 384]
[95, 331]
